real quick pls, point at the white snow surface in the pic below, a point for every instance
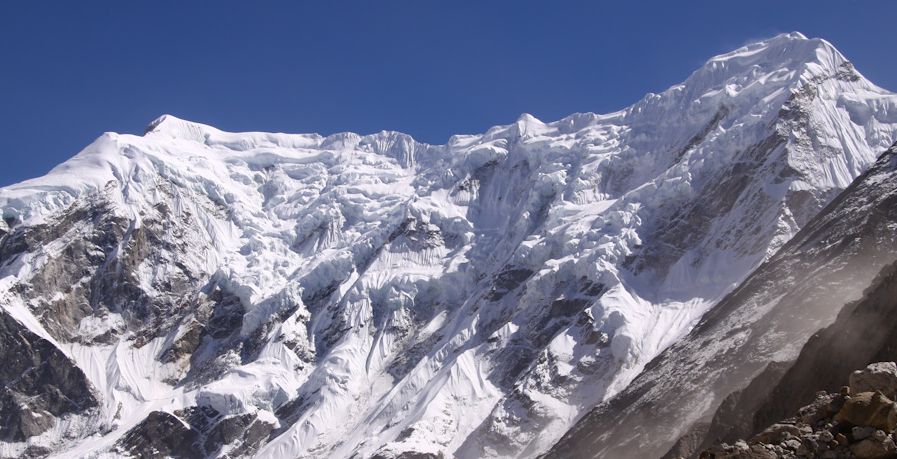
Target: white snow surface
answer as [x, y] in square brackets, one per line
[413, 237]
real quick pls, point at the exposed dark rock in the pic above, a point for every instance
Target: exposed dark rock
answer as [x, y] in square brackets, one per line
[4, 230]
[699, 137]
[241, 433]
[245, 431]
[26, 239]
[289, 412]
[687, 226]
[185, 345]
[40, 384]
[219, 334]
[227, 314]
[414, 236]
[508, 280]
[95, 271]
[161, 435]
[526, 354]
[408, 455]
[544, 323]
[410, 357]
[200, 418]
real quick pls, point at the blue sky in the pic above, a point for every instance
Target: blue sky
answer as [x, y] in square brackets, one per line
[72, 70]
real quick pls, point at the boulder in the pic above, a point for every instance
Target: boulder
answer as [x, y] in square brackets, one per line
[822, 407]
[874, 448]
[792, 444]
[879, 376]
[871, 409]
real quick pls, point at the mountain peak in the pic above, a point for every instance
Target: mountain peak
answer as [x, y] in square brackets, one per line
[178, 128]
[795, 35]
[787, 59]
[786, 47]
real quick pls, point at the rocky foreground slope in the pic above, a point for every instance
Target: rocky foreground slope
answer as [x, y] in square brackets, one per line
[858, 421]
[211, 294]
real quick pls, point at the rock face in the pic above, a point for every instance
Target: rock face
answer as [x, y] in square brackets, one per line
[194, 433]
[767, 319]
[835, 425]
[160, 435]
[289, 295]
[42, 388]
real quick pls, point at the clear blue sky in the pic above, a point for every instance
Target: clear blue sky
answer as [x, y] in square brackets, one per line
[71, 70]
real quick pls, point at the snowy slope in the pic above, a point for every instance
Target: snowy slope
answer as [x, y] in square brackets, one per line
[367, 295]
[718, 380]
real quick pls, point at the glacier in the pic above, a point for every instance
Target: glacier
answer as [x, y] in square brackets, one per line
[370, 296]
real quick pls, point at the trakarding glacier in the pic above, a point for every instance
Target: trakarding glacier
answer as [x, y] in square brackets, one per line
[199, 293]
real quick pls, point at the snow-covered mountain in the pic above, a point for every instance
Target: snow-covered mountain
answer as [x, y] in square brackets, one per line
[206, 293]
